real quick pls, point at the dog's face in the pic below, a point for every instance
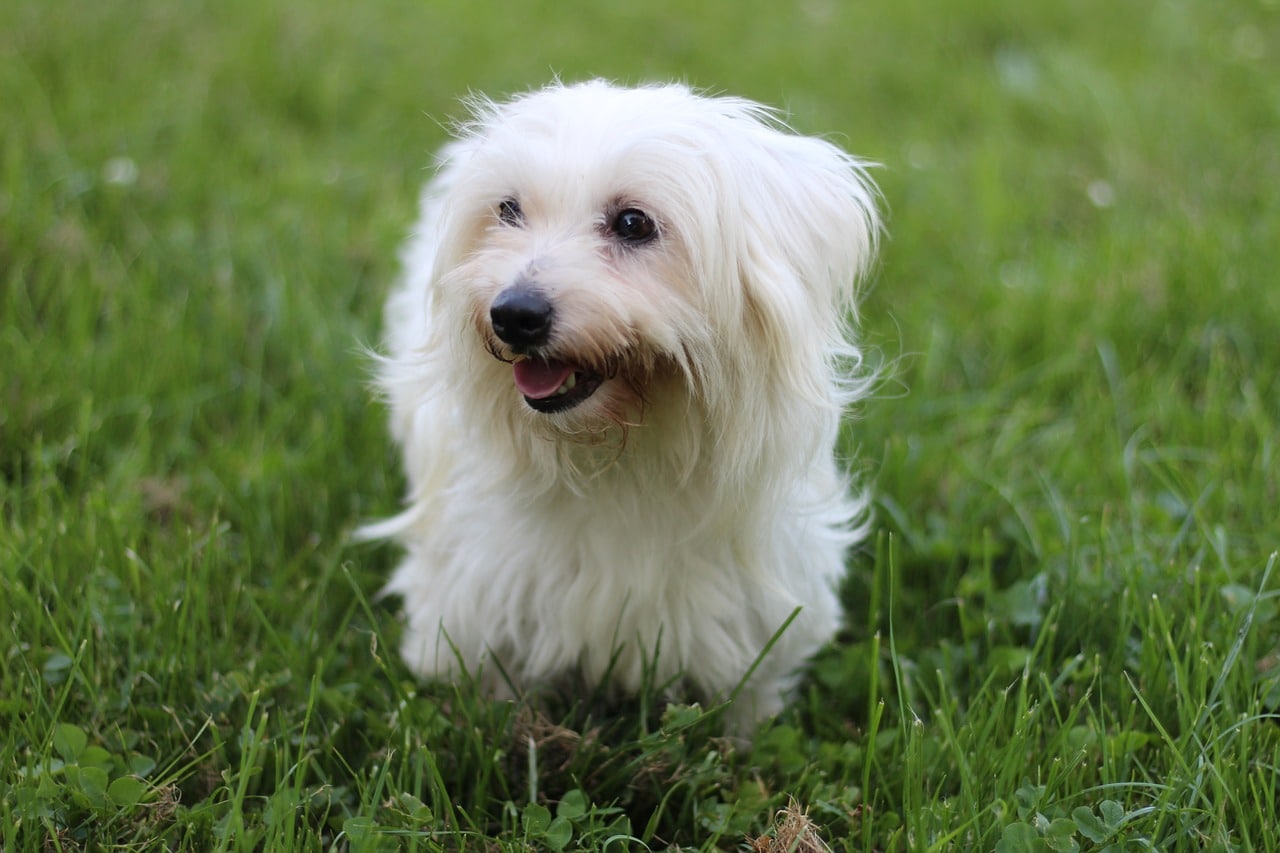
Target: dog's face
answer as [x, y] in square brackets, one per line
[575, 308]
[576, 278]
[606, 250]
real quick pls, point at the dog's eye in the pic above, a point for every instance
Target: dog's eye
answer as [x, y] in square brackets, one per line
[634, 226]
[510, 213]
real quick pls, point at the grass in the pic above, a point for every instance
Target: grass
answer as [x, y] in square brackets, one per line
[1063, 636]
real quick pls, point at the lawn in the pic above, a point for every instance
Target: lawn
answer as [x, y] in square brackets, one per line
[1063, 635]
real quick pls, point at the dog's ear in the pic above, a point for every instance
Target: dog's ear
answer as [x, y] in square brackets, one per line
[437, 213]
[796, 227]
[810, 227]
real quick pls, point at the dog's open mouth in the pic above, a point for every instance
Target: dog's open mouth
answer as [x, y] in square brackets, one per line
[553, 386]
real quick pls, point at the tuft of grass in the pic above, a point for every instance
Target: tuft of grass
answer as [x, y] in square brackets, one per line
[1064, 635]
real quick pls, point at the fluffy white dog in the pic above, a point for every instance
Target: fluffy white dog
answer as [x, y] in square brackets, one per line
[617, 364]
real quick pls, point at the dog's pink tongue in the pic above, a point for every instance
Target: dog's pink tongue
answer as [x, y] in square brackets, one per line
[540, 379]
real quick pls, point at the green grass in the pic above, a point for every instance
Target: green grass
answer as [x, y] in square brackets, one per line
[1063, 636]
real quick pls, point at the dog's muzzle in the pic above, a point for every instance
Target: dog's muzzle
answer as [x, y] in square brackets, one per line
[522, 318]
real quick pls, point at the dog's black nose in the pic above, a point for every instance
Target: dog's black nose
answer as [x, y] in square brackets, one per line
[521, 317]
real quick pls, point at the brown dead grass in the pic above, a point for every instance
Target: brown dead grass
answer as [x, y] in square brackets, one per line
[792, 832]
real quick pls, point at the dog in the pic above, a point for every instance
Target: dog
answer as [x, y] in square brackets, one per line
[616, 365]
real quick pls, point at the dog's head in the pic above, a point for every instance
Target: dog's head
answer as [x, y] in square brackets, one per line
[605, 251]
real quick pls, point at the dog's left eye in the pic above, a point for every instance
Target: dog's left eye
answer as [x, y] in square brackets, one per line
[510, 213]
[634, 226]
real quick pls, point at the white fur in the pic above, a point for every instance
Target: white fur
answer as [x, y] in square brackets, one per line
[669, 524]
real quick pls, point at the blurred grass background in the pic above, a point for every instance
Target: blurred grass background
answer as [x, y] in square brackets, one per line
[200, 208]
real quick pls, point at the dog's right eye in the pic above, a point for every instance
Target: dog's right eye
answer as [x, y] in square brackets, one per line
[510, 213]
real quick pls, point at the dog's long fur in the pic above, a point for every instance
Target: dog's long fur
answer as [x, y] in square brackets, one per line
[673, 520]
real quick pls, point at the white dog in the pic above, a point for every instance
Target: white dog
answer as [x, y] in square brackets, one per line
[617, 364]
